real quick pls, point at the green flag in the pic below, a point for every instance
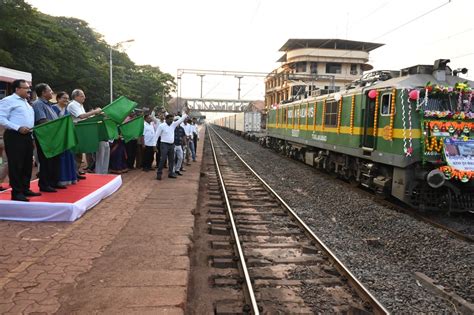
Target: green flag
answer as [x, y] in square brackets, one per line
[108, 130]
[56, 136]
[119, 109]
[132, 129]
[87, 136]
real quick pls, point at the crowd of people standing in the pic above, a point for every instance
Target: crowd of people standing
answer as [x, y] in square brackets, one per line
[168, 139]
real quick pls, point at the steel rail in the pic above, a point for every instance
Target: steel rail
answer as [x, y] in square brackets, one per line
[243, 264]
[356, 284]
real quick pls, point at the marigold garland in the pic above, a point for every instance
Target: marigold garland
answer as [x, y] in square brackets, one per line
[352, 114]
[392, 114]
[376, 129]
[452, 173]
[324, 113]
[307, 106]
[339, 116]
[315, 111]
[433, 145]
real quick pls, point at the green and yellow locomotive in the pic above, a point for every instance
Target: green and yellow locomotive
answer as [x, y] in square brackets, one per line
[409, 134]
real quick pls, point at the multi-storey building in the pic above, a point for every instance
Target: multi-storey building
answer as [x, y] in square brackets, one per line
[312, 67]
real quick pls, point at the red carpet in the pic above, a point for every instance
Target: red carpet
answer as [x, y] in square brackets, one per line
[63, 205]
[72, 194]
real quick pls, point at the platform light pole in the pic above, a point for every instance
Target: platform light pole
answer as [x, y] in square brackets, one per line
[178, 92]
[110, 66]
[239, 77]
[202, 76]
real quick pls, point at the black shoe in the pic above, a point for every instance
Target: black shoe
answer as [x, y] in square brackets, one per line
[20, 198]
[30, 193]
[172, 176]
[59, 187]
[48, 189]
[81, 177]
[158, 177]
[179, 173]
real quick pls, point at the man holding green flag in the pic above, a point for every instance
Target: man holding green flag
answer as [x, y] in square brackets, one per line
[49, 161]
[77, 111]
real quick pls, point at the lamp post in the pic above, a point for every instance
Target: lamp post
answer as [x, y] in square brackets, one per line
[178, 92]
[239, 77]
[202, 76]
[110, 66]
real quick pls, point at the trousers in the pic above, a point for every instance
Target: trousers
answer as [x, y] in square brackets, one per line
[102, 158]
[178, 152]
[167, 152]
[19, 150]
[49, 168]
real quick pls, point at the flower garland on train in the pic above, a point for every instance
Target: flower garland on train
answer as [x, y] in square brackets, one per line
[461, 91]
[443, 126]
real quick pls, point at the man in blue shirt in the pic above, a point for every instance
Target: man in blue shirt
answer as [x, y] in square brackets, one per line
[17, 116]
[49, 167]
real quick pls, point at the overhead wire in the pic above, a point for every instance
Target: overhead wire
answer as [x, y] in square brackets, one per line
[412, 20]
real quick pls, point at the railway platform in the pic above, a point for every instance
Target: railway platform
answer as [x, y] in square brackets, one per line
[128, 255]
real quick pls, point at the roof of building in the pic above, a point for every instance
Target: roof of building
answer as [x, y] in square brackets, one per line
[296, 43]
[10, 75]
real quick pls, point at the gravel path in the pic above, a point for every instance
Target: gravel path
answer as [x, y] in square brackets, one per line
[382, 247]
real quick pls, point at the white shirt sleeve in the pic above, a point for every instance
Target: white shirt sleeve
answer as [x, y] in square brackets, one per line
[158, 133]
[176, 123]
[74, 108]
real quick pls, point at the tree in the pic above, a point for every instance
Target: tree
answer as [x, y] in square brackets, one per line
[67, 54]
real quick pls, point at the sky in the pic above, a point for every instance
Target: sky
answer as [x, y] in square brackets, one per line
[245, 35]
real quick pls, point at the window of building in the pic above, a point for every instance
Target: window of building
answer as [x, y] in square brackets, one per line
[333, 68]
[331, 89]
[386, 104]
[354, 69]
[301, 66]
[314, 67]
[330, 115]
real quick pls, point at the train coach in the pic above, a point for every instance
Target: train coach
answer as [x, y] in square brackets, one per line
[248, 124]
[409, 134]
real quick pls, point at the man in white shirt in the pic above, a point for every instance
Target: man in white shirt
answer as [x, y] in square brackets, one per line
[190, 152]
[77, 111]
[166, 132]
[149, 143]
[76, 107]
[18, 118]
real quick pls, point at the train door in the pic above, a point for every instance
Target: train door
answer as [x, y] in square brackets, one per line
[368, 139]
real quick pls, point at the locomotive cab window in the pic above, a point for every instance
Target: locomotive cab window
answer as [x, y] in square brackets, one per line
[330, 115]
[386, 104]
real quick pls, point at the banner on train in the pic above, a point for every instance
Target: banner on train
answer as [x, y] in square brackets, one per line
[459, 154]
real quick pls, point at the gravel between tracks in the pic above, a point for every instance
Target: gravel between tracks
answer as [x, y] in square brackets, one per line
[382, 247]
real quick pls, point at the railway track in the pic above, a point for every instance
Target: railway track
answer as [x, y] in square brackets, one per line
[283, 265]
[397, 206]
